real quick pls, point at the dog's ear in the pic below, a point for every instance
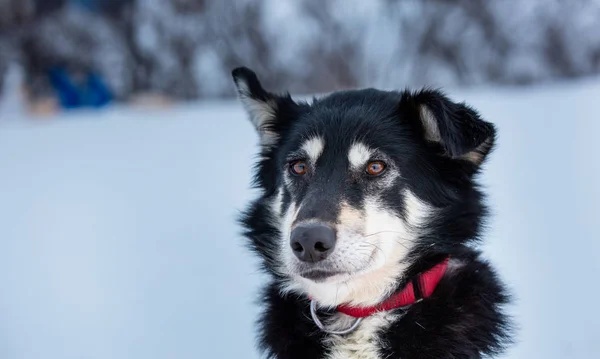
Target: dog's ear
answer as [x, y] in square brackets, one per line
[263, 108]
[456, 127]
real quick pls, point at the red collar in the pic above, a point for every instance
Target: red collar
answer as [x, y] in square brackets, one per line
[422, 286]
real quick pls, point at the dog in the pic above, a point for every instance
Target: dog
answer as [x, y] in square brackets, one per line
[367, 225]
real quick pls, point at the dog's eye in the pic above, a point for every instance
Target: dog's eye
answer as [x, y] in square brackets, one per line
[298, 168]
[375, 168]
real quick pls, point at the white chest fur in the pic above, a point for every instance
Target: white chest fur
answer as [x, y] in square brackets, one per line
[363, 343]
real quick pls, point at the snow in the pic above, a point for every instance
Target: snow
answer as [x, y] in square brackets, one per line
[118, 235]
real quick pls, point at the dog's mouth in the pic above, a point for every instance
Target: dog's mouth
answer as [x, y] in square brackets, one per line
[319, 275]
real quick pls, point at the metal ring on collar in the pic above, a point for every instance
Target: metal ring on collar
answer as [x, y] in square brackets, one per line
[315, 318]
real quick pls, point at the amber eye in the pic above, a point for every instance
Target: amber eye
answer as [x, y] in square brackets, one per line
[375, 168]
[298, 168]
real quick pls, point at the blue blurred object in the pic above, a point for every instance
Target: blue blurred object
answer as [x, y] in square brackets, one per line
[93, 93]
[97, 94]
[91, 5]
[66, 90]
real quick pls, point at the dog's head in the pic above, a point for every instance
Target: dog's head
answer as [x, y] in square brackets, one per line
[359, 184]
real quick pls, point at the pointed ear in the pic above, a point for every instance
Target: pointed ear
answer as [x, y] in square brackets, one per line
[262, 107]
[456, 127]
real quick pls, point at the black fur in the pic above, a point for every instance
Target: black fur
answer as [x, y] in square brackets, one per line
[464, 317]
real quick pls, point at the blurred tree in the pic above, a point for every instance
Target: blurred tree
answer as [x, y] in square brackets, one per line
[186, 48]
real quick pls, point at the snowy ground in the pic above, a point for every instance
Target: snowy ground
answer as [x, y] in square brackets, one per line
[117, 234]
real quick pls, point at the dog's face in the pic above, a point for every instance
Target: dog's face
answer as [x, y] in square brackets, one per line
[356, 184]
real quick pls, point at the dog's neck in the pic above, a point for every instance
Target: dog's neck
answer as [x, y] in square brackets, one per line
[418, 288]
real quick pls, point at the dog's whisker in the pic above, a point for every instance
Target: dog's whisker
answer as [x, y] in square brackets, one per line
[380, 232]
[402, 244]
[417, 323]
[376, 246]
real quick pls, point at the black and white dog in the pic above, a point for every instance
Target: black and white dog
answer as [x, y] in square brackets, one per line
[366, 225]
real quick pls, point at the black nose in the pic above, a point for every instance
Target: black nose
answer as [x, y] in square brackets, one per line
[312, 242]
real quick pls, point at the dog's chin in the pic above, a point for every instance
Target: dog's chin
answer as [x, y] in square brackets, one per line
[331, 286]
[326, 275]
[321, 276]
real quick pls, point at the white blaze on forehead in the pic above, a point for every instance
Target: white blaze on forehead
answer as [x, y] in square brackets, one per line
[313, 148]
[358, 155]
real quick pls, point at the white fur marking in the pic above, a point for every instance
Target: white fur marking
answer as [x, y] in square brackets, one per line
[313, 148]
[417, 211]
[277, 203]
[362, 343]
[358, 155]
[283, 247]
[287, 255]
